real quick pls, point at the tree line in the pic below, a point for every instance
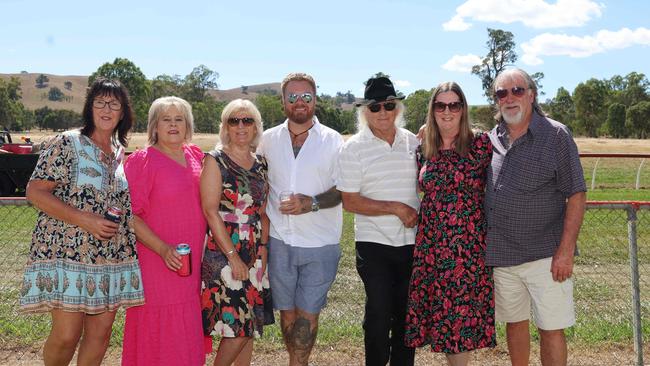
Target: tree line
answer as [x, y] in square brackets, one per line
[617, 107]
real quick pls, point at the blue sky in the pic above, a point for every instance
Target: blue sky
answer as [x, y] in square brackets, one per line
[341, 43]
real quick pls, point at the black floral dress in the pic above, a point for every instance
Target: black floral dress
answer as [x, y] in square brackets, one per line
[233, 308]
[451, 304]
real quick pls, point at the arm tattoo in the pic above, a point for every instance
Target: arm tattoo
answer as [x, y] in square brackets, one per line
[329, 198]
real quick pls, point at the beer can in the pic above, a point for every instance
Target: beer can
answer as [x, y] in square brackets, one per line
[114, 214]
[186, 259]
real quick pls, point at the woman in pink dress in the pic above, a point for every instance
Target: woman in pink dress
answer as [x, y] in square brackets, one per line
[164, 183]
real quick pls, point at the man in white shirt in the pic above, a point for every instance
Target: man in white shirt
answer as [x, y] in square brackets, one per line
[304, 251]
[378, 183]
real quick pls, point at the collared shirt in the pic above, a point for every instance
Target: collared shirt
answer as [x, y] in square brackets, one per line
[528, 185]
[312, 172]
[371, 167]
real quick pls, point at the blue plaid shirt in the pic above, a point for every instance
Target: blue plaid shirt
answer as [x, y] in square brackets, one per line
[527, 188]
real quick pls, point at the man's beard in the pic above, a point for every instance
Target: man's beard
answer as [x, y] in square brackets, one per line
[513, 119]
[299, 118]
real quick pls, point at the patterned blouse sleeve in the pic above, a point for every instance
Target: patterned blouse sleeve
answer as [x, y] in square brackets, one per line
[265, 173]
[482, 150]
[138, 171]
[54, 163]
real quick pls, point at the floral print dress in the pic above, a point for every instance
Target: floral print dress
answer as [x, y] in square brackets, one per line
[451, 304]
[233, 308]
[68, 267]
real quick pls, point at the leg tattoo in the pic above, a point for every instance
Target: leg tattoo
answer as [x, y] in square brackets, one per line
[302, 338]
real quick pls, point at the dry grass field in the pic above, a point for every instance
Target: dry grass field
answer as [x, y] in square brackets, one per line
[34, 97]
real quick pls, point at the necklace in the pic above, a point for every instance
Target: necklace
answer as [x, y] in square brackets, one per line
[294, 135]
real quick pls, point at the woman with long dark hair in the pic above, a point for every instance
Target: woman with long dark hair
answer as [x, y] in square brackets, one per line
[83, 265]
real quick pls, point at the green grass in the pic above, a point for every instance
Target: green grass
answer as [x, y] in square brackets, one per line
[618, 194]
[615, 173]
[602, 290]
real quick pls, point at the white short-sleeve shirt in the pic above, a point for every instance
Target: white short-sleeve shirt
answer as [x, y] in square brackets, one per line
[371, 167]
[313, 171]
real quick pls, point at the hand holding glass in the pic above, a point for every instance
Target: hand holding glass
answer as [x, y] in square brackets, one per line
[285, 196]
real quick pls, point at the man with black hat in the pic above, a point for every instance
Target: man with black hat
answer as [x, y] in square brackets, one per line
[378, 184]
[304, 208]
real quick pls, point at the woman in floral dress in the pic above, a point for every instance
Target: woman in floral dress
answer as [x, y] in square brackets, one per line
[451, 304]
[80, 263]
[233, 196]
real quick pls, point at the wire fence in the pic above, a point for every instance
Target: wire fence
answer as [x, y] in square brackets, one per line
[616, 171]
[612, 296]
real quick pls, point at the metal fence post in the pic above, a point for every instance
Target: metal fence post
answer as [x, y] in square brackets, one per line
[593, 175]
[638, 175]
[636, 292]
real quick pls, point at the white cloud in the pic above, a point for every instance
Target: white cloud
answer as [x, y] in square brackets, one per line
[532, 13]
[548, 44]
[456, 24]
[462, 63]
[402, 83]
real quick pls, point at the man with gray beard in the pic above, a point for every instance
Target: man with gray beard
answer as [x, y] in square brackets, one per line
[534, 204]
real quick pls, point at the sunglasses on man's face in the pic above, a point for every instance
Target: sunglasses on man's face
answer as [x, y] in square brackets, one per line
[306, 97]
[454, 107]
[517, 91]
[247, 121]
[376, 107]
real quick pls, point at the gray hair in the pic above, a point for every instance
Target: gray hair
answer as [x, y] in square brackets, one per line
[362, 121]
[509, 74]
[162, 105]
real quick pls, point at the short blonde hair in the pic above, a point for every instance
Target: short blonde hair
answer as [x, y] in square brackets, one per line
[162, 105]
[297, 76]
[236, 106]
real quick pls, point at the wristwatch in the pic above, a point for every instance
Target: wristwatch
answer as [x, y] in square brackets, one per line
[315, 206]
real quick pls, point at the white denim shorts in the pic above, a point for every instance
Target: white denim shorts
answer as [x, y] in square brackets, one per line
[516, 288]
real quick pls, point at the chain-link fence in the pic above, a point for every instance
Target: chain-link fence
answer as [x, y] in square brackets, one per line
[608, 300]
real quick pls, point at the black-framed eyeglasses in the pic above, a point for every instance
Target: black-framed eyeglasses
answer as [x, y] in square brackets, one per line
[517, 91]
[113, 105]
[306, 97]
[454, 107]
[247, 121]
[376, 107]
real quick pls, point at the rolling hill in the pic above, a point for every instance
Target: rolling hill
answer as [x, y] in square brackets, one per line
[35, 97]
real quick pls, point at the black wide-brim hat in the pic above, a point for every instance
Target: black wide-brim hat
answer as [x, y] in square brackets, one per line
[378, 90]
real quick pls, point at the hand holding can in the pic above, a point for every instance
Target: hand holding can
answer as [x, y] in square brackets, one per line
[186, 259]
[113, 214]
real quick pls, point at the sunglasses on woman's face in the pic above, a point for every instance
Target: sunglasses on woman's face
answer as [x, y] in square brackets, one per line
[247, 121]
[376, 107]
[517, 91]
[454, 107]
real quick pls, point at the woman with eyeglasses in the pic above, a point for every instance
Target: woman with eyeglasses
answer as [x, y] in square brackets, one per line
[82, 264]
[236, 295]
[164, 183]
[450, 303]
[377, 183]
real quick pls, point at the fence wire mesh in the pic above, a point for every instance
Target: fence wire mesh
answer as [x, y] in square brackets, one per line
[603, 334]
